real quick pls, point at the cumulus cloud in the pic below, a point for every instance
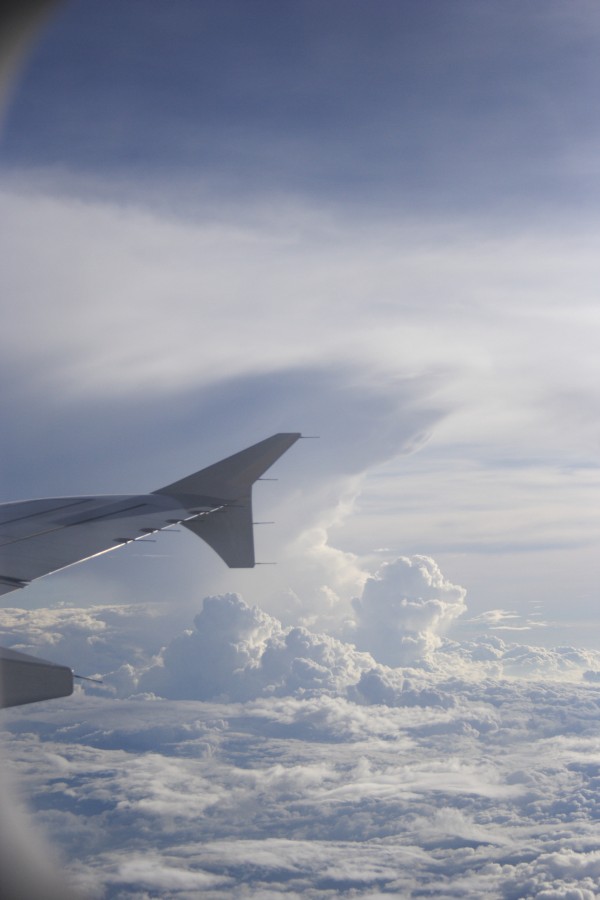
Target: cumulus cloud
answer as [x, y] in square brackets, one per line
[498, 657]
[404, 610]
[97, 639]
[389, 687]
[393, 651]
[238, 652]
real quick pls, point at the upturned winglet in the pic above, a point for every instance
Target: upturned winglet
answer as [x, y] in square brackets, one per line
[226, 489]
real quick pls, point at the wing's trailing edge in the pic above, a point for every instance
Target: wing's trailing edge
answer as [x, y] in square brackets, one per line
[228, 485]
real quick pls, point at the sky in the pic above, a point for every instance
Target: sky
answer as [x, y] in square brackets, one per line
[375, 222]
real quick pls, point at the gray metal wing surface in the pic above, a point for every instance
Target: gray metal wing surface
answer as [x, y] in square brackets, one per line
[38, 537]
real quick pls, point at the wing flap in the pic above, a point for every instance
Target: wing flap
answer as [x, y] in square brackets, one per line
[35, 544]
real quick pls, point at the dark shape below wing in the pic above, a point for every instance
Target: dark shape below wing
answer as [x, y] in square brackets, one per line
[27, 679]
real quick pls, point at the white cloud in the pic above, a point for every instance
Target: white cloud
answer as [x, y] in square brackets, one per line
[404, 609]
[309, 283]
[250, 757]
[369, 332]
[319, 795]
[238, 652]
[95, 639]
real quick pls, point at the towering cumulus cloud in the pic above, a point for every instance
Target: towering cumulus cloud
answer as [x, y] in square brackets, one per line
[404, 610]
[238, 652]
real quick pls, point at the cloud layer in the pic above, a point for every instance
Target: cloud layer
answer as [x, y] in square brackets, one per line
[252, 758]
[408, 107]
[375, 334]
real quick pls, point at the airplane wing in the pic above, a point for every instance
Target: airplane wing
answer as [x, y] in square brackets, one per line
[38, 537]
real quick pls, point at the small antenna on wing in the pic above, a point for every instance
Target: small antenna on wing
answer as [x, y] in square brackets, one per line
[85, 678]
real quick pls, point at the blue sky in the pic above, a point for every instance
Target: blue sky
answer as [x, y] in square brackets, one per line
[461, 107]
[374, 222]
